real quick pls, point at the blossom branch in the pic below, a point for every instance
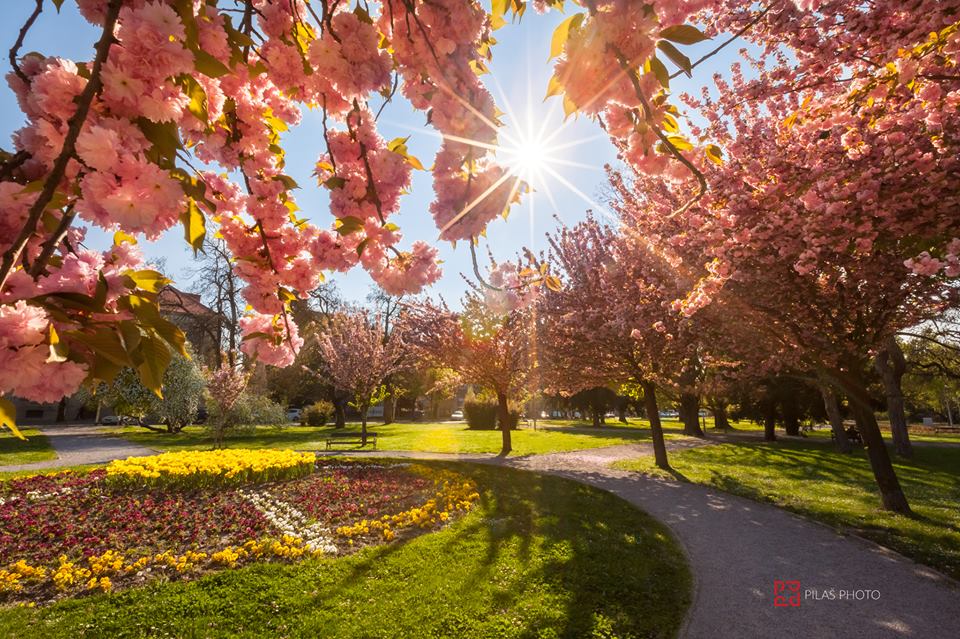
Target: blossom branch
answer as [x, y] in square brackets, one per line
[75, 123]
[15, 49]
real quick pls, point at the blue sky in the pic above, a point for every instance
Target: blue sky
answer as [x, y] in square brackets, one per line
[518, 81]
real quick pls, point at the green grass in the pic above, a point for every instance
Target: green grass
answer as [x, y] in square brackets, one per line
[539, 557]
[16, 451]
[451, 437]
[810, 478]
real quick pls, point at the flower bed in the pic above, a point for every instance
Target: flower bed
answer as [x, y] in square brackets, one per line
[73, 533]
[210, 468]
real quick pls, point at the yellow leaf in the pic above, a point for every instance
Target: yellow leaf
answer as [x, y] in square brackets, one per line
[554, 87]
[553, 283]
[194, 225]
[8, 417]
[120, 237]
[568, 106]
[562, 34]
[670, 123]
[714, 154]
[680, 143]
[148, 280]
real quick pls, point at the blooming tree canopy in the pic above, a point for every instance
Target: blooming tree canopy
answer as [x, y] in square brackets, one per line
[179, 118]
[358, 356]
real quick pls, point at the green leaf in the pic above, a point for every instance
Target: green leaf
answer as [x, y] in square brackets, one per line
[209, 65]
[562, 34]
[660, 71]
[362, 14]
[349, 224]
[334, 182]
[164, 137]
[683, 34]
[147, 280]
[57, 4]
[198, 97]
[287, 181]
[194, 225]
[675, 56]
[104, 343]
[155, 357]
[258, 335]
[8, 417]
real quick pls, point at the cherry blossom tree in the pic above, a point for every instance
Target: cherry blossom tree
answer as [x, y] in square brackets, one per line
[179, 117]
[482, 345]
[359, 359]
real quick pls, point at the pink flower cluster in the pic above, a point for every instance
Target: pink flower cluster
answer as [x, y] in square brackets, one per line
[271, 339]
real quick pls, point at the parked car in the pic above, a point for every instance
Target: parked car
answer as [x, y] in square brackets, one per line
[294, 414]
[116, 420]
[456, 415]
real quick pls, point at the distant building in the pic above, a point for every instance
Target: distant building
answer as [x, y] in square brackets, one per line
[200, 323]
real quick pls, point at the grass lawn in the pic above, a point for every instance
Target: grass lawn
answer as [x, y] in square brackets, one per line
[808, 477]
[16, 451]
[539, 557]
[450, 437]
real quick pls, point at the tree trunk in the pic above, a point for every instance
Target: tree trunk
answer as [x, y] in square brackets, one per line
[62, 410]
[503, 413]
[340, 413]
[891, 494]
[832, 407]
[690, 405]
[891, 365]
[720, 419]
[791, 415]
[389, 409]
[656, 430]
[363, 426]
[769, 420]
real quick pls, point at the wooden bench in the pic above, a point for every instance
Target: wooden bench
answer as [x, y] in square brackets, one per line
[946, 429]
[350, 439]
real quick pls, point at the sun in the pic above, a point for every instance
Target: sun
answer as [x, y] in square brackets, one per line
[528, 158]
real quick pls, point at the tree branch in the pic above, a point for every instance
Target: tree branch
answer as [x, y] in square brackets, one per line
[75, 123]
[15, 49]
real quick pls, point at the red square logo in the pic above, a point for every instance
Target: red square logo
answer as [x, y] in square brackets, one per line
[786, 594]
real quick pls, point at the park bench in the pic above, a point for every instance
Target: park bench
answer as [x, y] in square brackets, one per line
[350, 439]
[946, 429]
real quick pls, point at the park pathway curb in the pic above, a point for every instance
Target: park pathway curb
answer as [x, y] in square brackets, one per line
[82, 444]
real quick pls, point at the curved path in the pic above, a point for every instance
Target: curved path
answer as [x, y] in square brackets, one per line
[736, 549]
[82, 444]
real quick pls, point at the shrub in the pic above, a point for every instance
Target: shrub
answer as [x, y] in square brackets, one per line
[318, 413]
[481, 414]
[247, 412]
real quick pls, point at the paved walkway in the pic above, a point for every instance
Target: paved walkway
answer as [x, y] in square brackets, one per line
[82, 444]
[736, 549]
